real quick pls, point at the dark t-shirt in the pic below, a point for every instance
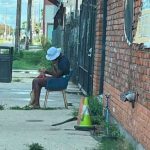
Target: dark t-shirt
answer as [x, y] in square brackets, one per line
[64, 65]
[54, 83]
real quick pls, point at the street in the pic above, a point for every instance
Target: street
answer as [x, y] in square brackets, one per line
[20, 128]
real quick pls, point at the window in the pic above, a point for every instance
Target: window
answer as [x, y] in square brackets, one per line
[143, 30]
[128, 22]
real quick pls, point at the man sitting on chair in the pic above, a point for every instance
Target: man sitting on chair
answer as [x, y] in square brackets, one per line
[60, 67]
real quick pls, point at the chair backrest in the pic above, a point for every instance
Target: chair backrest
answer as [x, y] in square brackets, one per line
[69, 75]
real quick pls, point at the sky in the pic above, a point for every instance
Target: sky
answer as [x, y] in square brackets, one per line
[8, 11]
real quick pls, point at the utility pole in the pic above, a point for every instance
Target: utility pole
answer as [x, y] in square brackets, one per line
[18, 24]
[76, 10]
[29, 28]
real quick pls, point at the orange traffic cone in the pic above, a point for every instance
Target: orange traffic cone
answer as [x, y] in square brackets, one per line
[84, 119]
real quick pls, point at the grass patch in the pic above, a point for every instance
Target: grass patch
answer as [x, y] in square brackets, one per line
[28, 108]
[30, 60]
[17, 108]
[35, 146]
[23, 64]
[112, 144]
[3, 41]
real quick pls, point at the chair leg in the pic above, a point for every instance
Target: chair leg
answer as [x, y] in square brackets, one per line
[46, 97]
[31, 97]
[65, 99]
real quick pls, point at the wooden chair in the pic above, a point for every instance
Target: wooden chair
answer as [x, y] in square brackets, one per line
[58, 84]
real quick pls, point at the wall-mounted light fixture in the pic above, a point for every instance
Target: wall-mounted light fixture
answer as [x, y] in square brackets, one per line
[129, 96]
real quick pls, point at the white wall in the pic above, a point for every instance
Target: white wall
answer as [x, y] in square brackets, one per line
[50, 11]
[71, 5]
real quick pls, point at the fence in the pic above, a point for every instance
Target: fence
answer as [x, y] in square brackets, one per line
[79, 44]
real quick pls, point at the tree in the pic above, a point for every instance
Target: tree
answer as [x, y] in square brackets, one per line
[18, 24]
[29, 29]
[2, 29]
[8, 31]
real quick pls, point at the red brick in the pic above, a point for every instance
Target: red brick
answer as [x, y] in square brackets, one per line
[126, 68]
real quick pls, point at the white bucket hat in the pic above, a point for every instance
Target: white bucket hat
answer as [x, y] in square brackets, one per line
[53, 53]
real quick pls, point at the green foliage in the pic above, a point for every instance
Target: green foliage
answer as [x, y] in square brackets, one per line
[114, 141]
[2, 40]
[16, 108]
[34, 57]
[96, 109]
[18, 64]
[37, 28]
[26, 107]
[2, 29]
[113, 144]
[114, 131]
[75, 112]
[36, 146]
[36, 41]
[18, 55]
[45, 43]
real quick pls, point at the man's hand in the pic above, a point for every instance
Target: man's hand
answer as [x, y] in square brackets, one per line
[42, 70]
[42, 73]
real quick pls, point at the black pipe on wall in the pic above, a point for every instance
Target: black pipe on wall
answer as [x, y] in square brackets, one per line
[102, 69]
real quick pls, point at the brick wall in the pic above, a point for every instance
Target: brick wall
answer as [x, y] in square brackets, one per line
[126, 68]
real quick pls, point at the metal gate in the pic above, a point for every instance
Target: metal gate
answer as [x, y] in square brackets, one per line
[86, 44]
[71, 35]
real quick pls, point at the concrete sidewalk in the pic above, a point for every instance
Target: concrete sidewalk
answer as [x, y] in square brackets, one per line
[19, 128]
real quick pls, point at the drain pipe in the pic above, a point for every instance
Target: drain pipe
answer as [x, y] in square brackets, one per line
[102, 67]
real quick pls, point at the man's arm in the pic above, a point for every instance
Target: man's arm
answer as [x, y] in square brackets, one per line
[54, 71]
